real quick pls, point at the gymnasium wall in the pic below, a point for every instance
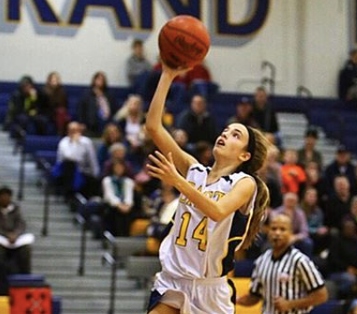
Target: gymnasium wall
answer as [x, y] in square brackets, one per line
[307, 41]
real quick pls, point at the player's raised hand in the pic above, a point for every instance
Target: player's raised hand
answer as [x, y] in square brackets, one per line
[163, 168]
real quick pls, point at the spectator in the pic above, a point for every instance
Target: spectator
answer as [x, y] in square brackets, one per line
[58, 101]
[137, 66]
[203, 153]
[198, 123]
[118, 194]
[28, 107]
[131, 118]
[164, 202]
[347, 81]
[315, 220]
[338, 203]
[271, 174]
[181, 138]
[97, 105]
[314, 180]
[300, 237]
[117, 151]
[15, 249]
[111, 134]
[342, 165]
[308, 152]
[77, 166]
[342, 260]
[293, 176]
[244, 110]
[352, 215]
[264, 114]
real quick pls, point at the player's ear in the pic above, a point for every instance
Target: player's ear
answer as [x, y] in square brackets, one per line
[244, 156]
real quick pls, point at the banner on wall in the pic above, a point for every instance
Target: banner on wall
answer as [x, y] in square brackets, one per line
[225, 29]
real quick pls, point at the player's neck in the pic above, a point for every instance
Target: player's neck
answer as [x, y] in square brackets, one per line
[280, 251]
[219, 170]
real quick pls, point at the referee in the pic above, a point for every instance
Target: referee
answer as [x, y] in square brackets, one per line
[286, 279]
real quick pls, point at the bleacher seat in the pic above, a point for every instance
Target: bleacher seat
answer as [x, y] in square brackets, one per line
[30, 146]
[4, 305]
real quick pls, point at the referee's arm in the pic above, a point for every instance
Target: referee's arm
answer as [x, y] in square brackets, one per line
[314, 298]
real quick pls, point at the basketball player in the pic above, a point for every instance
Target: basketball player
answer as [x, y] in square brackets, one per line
[286, 279]
[220, 210]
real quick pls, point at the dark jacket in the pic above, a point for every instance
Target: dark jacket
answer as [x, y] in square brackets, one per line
[11, 220]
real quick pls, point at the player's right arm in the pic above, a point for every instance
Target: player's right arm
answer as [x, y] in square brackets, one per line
[161, 137]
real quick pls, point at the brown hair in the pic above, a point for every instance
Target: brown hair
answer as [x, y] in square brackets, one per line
[262, 199]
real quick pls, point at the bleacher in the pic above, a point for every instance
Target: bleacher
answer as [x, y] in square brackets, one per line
[331, 115]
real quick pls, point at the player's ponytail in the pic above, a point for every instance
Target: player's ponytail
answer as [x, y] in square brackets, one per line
[258, 147]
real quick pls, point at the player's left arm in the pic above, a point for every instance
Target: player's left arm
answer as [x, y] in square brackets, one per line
[238, 197]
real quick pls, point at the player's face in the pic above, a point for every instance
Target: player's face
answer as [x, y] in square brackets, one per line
[279, 233]
[233, 142]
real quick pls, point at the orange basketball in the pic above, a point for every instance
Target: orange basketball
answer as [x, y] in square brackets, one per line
[183, 41]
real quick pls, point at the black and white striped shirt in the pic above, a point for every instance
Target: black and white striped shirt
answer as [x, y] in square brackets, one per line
[292, 276]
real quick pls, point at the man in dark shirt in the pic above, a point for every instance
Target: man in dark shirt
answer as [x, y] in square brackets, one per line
[198, 123]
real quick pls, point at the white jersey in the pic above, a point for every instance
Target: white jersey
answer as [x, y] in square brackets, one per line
[198, 247]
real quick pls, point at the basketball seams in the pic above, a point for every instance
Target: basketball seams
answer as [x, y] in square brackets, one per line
[167, 38]
[188, 34]
[180, 52]
[184, 41]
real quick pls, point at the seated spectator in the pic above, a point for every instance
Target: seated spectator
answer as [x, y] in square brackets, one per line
[197, 122]
[203, 153]
[290, 207]
[131, 119]
[181, 138]
[342, 260]
[117, 152]
[77, 168]
[137, 66]
[352, 215]
[118, 195]
[308, 152]
[29, 108]
[164, 202]
[244, 110]
[314, 180]
[293, 176]
[15, 245]
[58, 101]
[111, 134]
[96, 106]
[264, 114]
[341, 165]
[337, 204]
[315, 220]
[347, 80]
[270, 173]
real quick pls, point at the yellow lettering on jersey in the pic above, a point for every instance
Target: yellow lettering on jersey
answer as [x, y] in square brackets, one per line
[181, 239]
[200, 234]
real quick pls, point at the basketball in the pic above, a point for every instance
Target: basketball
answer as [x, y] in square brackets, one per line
[183, 41]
